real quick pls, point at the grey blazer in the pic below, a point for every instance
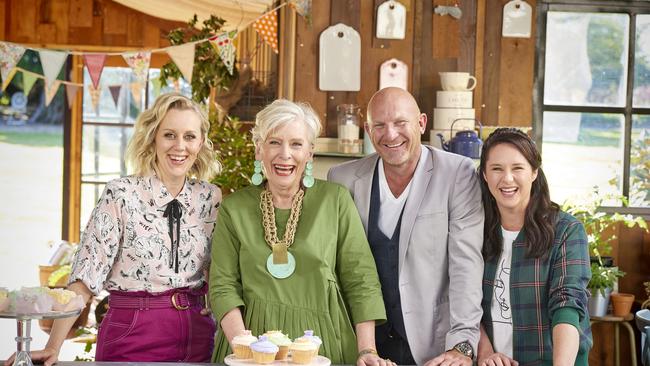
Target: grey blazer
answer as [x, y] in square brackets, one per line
[440, 261]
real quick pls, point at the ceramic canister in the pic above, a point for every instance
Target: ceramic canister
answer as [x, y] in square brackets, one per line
[453, 99]
[444, 117]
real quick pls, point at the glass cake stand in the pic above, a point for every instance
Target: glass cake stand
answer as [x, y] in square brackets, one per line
[24, 323]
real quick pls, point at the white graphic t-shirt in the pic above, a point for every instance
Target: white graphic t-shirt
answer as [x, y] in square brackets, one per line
[501, 311]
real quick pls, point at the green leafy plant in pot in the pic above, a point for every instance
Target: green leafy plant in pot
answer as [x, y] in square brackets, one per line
[604, 276]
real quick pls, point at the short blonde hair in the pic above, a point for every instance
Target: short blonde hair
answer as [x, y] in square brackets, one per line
[141, 151]
[281, 112]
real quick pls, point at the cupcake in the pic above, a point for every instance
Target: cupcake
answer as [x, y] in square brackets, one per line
[303, 351]
[264, 351]
[241, 345]
[65, 300]
[309, 334]
[281, 340]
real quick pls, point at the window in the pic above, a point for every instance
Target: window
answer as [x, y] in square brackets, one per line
[107, 129]
[593, 99]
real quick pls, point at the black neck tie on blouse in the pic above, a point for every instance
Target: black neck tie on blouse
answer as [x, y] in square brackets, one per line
[173, 213]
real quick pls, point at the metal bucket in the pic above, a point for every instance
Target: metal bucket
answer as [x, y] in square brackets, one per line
[598, 303]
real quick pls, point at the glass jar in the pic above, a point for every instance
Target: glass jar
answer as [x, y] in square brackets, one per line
[348, 117]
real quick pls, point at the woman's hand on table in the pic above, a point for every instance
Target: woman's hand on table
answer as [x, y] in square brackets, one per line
[49, 356]
[497, 359]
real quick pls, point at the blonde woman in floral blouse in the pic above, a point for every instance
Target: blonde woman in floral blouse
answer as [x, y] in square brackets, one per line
[148, 243]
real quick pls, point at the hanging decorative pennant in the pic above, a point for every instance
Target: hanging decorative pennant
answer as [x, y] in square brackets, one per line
[183, 57]
[226, 48]
[139, 62]
[10, 54]
[302, 7]
[136, 93]
[28, 82]
[71, 93]
[95, 93]
[52, 61]
[115, 93]
[50, 90]
[95, 64]
[267, 28]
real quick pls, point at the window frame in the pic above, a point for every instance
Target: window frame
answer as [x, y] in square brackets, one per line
[630, 8]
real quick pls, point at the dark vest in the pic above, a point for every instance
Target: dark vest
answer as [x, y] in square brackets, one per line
[386, 253]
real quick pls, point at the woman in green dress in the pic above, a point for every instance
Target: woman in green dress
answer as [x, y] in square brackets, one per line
[290, 251]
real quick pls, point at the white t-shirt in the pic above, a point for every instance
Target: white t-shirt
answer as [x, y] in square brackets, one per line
[391, 206]
[501, 310]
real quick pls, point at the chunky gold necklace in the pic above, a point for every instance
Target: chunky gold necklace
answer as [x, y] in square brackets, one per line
[280, 247]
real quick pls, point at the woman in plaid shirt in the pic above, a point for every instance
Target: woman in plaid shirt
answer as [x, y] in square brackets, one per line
[536, 263]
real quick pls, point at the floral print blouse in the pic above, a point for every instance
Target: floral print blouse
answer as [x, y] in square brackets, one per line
[126, 245]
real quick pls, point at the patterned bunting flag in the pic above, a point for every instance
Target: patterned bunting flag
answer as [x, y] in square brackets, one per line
[52, 61]
[136, 93]
[95, 64]
[183, 57]
[226, 48]
[28, 82]
[71, 92]
[139, 62]
[50, 90]
[95, 93]
[10, 54]
[267, 28]
[115, 93]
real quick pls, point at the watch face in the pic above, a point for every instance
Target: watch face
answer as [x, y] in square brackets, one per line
[465, 348]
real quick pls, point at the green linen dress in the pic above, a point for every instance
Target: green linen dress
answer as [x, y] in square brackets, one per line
[335, 283]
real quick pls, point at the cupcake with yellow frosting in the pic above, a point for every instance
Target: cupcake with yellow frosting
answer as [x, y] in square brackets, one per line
[241, 345]
[303, 351]
[264, 351]
[281, 340]
[309, 335]
[65, 300]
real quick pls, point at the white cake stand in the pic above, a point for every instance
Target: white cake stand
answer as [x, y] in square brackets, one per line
[24, 322]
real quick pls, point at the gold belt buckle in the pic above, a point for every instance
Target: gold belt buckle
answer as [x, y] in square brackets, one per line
[176, 306]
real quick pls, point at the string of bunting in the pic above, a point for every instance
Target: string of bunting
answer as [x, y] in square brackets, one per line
[182, 55]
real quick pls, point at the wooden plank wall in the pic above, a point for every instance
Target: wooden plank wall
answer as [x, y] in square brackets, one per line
[92, 25]
[433, 43]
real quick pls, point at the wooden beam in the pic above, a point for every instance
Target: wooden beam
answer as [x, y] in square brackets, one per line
[492, 55]
[287, 57]
[478, 58]
[72, 146]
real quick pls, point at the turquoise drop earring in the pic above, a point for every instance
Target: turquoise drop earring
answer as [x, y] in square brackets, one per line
[308, 179]
[257, 177]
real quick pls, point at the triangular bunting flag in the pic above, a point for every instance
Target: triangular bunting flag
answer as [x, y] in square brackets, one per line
[95, 64]
[183, 57]
[71, 93]
[136, 93]
[28, 82]
[226, 48]
[267, 28]
[139, 62]
[157, 85]
[94, 96]
[52, 61]
[50, 91]
[302, 7]
[10, 54]
[115, 93]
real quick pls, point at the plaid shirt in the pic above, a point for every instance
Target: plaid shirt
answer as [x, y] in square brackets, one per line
[541, 292]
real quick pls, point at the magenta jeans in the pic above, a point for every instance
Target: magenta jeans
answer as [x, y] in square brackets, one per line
[165, 327]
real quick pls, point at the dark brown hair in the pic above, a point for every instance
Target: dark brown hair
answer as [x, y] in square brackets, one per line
[539, 220]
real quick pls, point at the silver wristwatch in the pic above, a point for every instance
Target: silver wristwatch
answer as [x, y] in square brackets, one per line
[465, 349]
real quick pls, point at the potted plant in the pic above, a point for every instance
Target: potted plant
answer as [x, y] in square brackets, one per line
[604, 276]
